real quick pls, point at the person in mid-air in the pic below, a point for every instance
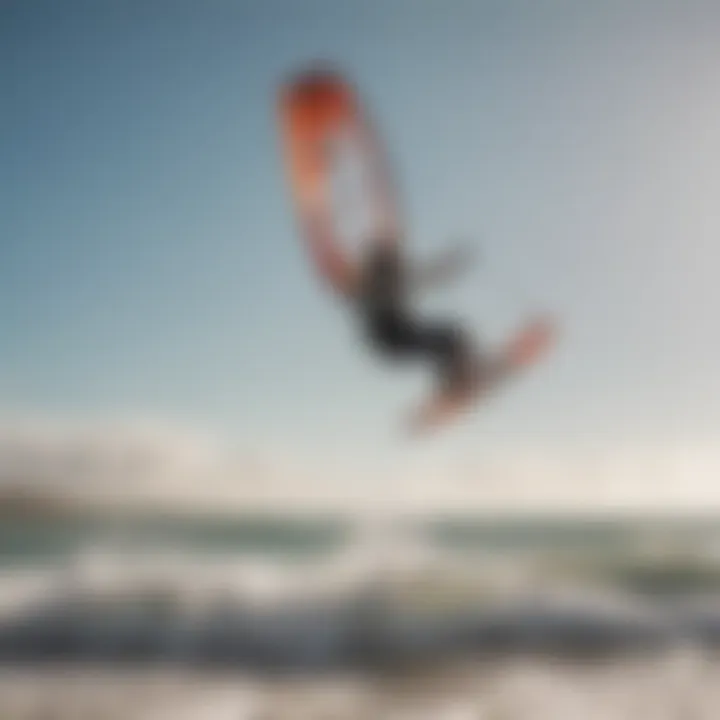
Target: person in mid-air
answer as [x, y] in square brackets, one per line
[380, 289]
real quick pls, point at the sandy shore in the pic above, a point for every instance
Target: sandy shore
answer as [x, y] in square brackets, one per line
[682, 685]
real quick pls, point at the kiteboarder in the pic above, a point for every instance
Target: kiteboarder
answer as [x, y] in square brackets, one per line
[380, 290]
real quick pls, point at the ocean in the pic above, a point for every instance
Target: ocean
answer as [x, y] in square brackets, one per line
[250, 608]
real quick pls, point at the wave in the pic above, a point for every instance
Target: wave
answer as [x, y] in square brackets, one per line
[387, 597]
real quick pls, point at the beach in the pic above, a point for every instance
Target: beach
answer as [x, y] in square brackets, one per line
[681, 685]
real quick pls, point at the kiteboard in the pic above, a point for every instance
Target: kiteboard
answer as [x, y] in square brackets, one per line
[525, 348]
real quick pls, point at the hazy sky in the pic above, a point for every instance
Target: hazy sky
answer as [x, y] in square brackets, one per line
[149, 265]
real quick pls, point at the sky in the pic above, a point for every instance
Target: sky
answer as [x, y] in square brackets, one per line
[151, 275]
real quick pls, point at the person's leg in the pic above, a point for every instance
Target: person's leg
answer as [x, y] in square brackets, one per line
[453, 351]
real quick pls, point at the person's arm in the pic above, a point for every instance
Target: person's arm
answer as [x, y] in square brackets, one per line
[443, 268]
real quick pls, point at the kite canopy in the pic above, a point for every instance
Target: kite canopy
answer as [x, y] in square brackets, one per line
[337, 171]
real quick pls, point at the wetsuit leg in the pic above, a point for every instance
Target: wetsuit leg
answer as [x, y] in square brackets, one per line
[451, 350]
[444, 344]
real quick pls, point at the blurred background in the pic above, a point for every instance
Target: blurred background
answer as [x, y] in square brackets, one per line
[207, 509]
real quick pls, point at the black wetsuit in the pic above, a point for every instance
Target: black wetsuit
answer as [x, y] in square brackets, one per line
[394, 330]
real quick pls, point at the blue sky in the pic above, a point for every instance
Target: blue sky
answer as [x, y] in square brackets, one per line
[148, 259]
